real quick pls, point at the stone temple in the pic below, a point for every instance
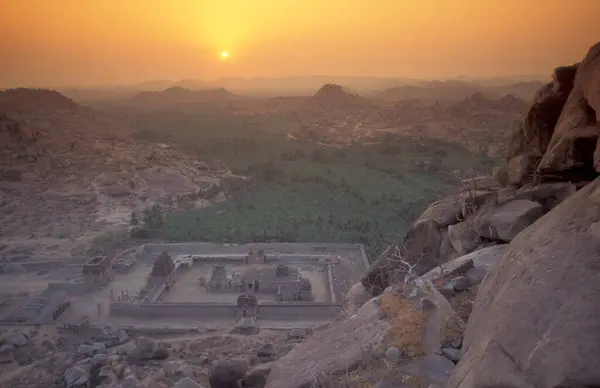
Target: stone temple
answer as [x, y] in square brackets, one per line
[188, 283]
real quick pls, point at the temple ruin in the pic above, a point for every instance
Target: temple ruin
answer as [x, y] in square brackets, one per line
[98, 271]
[240, 284]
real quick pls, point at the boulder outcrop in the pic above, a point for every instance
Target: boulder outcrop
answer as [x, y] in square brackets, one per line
[339, 348]
[557, 139]
[504, 221]
[533, 136]
[535, 321]
[461, 224]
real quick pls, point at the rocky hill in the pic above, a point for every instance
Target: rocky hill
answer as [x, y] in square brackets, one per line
[68, 173]
[482, 123]
[337, 117]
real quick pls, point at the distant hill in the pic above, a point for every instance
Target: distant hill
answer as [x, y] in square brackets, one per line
[194, 84]
[457, 90]
[304, 85]
[178, 95]
[431, 91]
[336, 96]
[523, 90]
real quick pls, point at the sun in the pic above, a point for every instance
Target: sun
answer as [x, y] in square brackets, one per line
[224, 54]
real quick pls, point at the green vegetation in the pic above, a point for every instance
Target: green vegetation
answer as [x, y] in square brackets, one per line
[104, 243]
[302, 191]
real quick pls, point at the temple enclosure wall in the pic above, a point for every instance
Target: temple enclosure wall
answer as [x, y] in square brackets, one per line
[298, 311]
[36, 265]
[215, 311]
[210, 248]
[174, 310]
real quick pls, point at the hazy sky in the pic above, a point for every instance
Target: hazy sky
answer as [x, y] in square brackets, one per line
[87, 42]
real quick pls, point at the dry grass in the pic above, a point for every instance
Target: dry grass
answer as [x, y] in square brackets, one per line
[452, 331]
[407, 325]
[368, 375]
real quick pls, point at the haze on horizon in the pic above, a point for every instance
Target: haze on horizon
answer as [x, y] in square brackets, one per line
[102, 42]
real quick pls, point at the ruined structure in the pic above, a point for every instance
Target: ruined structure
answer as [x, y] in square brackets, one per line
[162, 270]
[77, 324]
[283, 281]
[45, 307]
[163, 290]
[256, 257]
[247, 306]
[218, 279]
[98, 271]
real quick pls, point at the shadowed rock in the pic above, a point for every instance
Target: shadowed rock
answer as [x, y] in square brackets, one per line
[535, 321]
[504, 221]
[533, 136]
[463, 237]
[340, 348]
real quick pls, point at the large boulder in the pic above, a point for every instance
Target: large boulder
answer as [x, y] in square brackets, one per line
[444, 212]
[226, 373]
[504, 221]
[475, 200]
[145, 348]
[475, 266]
[356, 296]
[533, 136]
[521, 168]
[341, 347]
[420, 248]
[500, 174]
[535, 321]
[549, 195]
[463, 237]
[571, 153]
[588, 79]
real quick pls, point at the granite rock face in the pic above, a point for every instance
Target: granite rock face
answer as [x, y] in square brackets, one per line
[535, 320]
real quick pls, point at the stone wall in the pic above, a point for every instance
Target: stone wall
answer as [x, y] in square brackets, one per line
[175, 310]
[33, 266]
[70, 287]
[208, 248]
[298, 311]
[212, 311]
[154, 293]
[331, 284]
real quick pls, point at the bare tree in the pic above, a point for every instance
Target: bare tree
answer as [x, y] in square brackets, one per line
[405, 268]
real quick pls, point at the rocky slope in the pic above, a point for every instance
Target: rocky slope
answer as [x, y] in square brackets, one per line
[68, 174]
[500, 280]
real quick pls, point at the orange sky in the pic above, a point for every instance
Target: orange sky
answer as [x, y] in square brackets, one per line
[87, 42]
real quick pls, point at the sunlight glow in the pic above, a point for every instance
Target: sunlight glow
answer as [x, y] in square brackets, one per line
[224, 54]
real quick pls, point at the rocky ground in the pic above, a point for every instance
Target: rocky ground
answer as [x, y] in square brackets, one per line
[67, 174]
[110, 357]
